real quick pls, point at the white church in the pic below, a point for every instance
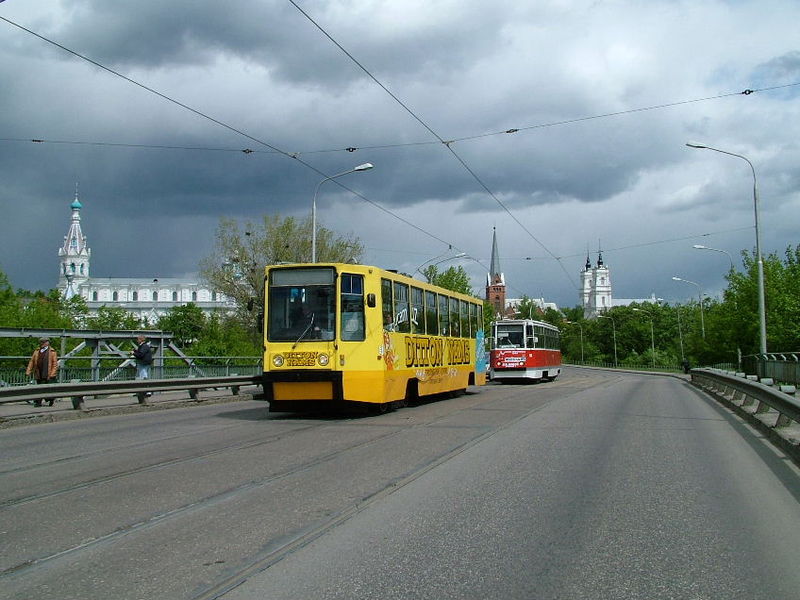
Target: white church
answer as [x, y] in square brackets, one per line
[145, 298]
[595, 292]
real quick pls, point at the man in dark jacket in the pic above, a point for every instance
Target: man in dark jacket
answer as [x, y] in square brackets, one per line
[144, 358]
[43, 366]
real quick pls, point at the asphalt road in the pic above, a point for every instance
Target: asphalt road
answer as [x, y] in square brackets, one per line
[598, 485]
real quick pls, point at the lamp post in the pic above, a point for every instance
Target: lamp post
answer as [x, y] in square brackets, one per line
[652, 334]
[680, 332]
[701, 247]
[762, 314]
[581, 326]
[364, 167]
[614, 330]
[457, 256]
[700, 297]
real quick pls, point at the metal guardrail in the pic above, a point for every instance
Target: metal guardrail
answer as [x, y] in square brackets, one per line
[78, 392]
[758, 402]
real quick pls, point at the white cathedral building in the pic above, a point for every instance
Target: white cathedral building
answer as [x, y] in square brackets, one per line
[596, 290]
[145, 298]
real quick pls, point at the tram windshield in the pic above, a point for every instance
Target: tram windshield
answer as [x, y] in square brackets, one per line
[301, 305]
[510, 336]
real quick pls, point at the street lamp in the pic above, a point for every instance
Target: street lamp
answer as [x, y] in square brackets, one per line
[456, 256]
[364, 167]
[614, 330]
[652, 335]
[762, 314]
[581, 326]
[700, 297]
[701, 247]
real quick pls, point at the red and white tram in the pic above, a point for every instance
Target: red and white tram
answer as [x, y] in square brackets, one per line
[522, 349]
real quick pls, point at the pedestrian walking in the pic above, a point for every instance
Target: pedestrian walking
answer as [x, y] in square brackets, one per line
[43, 366]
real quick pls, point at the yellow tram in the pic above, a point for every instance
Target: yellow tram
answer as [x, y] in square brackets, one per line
[338, 335]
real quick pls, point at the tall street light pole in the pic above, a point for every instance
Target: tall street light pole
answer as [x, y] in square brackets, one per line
[701, 247]
[652, 334]
[364, 167]
[762, 314]
[699, 297]
[614, 330]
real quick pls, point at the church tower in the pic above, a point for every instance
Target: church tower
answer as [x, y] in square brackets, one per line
[73, 255]
[595, 288]
[495, 280]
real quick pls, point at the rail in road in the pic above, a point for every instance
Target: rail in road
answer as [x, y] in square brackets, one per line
[597, 485]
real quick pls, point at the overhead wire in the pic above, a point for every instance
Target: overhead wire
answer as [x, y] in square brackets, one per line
[222, 124]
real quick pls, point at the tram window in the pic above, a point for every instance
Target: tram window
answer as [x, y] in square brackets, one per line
[480, 316]
[401, 307]
[444, 319]
[431, 318]
[463, 312]
[529, 343]
[455, 324]
[352, 307]
[417, 311]
[386, 305]
[473, 319]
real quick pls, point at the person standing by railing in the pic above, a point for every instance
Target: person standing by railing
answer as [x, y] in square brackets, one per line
[144, 358]
[43, 366]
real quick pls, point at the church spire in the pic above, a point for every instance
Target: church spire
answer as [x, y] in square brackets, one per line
[74, 253]
[495, 274]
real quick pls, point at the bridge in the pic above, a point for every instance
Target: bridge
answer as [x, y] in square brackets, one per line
[602, 484]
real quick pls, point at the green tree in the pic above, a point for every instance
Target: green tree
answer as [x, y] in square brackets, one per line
[113, 318]
[185, 322]
[236, 265]
[454, 279]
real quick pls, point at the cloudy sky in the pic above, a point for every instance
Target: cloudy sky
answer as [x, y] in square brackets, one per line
[604, 95]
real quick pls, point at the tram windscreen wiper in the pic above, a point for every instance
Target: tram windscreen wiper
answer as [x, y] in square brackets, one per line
[307, 329]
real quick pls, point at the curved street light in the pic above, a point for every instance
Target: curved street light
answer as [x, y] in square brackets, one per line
[762, 314]
[433, 264]
[699, 297]
[701, 247]
[614, 330]
[364, 167]
[652, 335]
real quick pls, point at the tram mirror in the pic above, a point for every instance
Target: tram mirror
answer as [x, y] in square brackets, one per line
[250, 304]
[371, 300]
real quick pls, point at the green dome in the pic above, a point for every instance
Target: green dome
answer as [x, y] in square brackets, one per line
[76, 204]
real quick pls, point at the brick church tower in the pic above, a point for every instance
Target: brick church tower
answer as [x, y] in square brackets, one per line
[495, 280]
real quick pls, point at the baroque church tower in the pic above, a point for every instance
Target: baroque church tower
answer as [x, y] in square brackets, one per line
[496, 281]
[74, 254]
[595, 288]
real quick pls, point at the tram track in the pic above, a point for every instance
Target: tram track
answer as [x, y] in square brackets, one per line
[312, 526]
[145, 468]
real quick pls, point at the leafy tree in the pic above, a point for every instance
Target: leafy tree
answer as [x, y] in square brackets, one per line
[454, 279]
[185, 322]
[236, 265]
[113, 318]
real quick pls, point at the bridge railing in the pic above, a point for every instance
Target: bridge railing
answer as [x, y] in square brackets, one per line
[774, 409]
[75, 369]
[142, 388]
[779, 366]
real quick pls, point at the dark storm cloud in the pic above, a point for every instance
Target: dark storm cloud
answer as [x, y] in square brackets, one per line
[465, 68]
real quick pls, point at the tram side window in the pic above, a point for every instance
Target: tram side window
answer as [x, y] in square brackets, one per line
[431, 318]
[455, 324]
[401, 307]
[352, 307]
[529, 339]
[463, 311]
[417, 311]
[444, 319]
[386, 305]
[473, 319]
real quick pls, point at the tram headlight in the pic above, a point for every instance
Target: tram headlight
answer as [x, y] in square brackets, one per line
[277, 360]
[323, 359]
